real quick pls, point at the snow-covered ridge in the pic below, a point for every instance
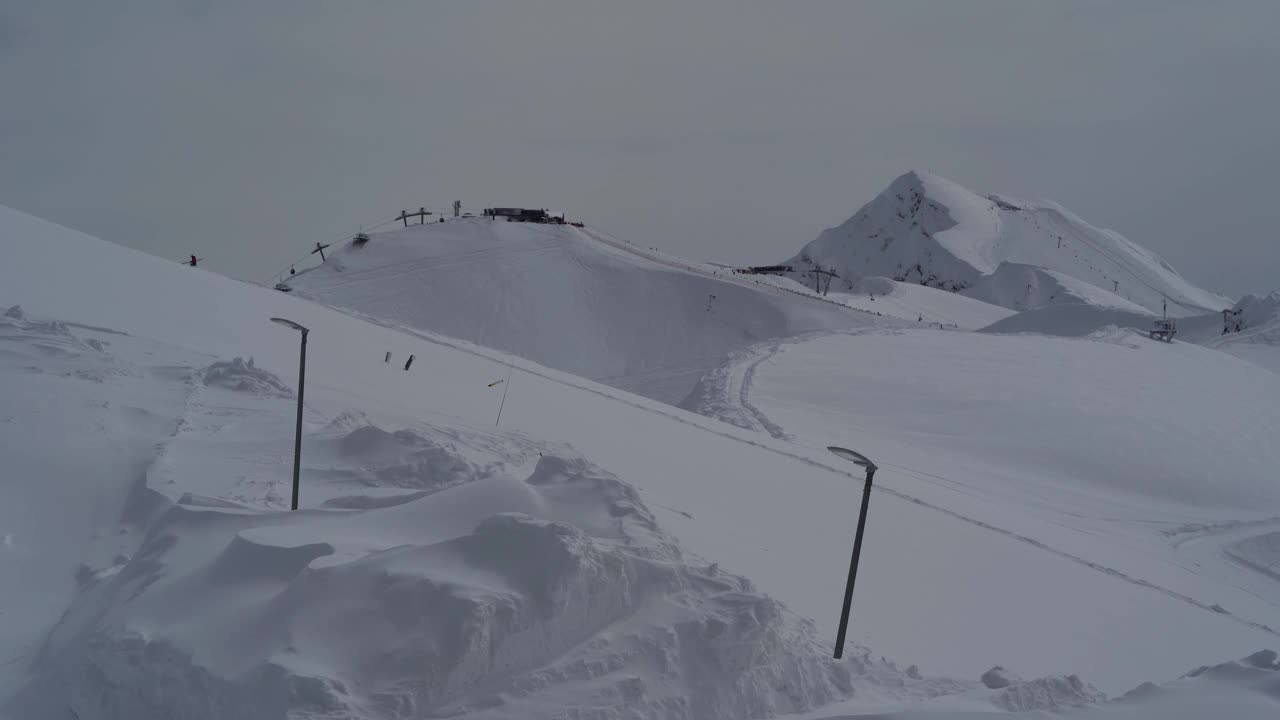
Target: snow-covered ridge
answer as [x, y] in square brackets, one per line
[929, 230]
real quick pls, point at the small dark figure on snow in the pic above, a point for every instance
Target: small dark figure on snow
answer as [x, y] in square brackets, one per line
[408, 362]
[193, 261]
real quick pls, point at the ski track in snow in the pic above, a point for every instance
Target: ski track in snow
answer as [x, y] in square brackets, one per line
[746, 367]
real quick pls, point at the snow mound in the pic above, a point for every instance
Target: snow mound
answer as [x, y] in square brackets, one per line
[243, 376]
[499, 598]
[46, 342]
[406, 459]
[564, 298]
[928, 230]
[873, 286]
[1246, 689]
[1052, 693]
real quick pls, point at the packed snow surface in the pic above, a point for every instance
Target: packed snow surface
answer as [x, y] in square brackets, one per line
[575, 300]
[929, 230]
[1244, 689]
[1133, 460]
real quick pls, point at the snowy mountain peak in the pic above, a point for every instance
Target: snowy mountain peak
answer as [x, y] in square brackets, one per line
[929, 230]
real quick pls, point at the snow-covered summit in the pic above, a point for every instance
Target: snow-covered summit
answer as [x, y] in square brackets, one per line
[927, 229]
[573, 299]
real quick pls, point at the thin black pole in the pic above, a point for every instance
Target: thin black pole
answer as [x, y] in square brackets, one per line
[297, 438]
[853, 565]
[504, 397]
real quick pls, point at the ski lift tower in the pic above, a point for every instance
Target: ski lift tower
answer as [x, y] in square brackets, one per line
[1165, 328]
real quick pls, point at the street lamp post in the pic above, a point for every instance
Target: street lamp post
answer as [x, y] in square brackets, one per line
[870, 467]
[302, 379]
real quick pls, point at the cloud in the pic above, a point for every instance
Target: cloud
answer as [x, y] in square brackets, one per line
[245, 131]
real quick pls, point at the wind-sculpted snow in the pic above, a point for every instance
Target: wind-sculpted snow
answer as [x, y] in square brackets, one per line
[243, 376]
[503, 597]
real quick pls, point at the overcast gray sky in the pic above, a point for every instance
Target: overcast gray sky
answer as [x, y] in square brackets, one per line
[245, 131]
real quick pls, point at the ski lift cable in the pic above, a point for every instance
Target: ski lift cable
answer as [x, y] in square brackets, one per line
[339, 238]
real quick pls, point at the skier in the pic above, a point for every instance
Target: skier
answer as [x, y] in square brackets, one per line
[408, 362]
[193, 261]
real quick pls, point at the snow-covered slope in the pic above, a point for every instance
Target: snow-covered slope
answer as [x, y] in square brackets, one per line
[929, 230]
[561, 297]
[438, 564]
[1115, 453]
[1024, 287]
[1257, 340]
[906, 301]
[586, 557]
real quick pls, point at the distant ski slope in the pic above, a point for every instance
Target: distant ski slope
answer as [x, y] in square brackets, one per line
[576, 301]
[926, 229]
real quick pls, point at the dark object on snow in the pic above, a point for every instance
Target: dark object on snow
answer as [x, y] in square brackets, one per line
[192, 262]
[283, 288]
[519, 215]
[387, 359]
[996, 678]
[421, 215]
[767, 270]
[319, 249]
[292, 271]
[408, 362]
[1163, 330]
[360, 239]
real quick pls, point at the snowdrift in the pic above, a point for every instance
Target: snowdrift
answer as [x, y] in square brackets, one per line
[928, 230]
[558, 296]
[547, 592]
